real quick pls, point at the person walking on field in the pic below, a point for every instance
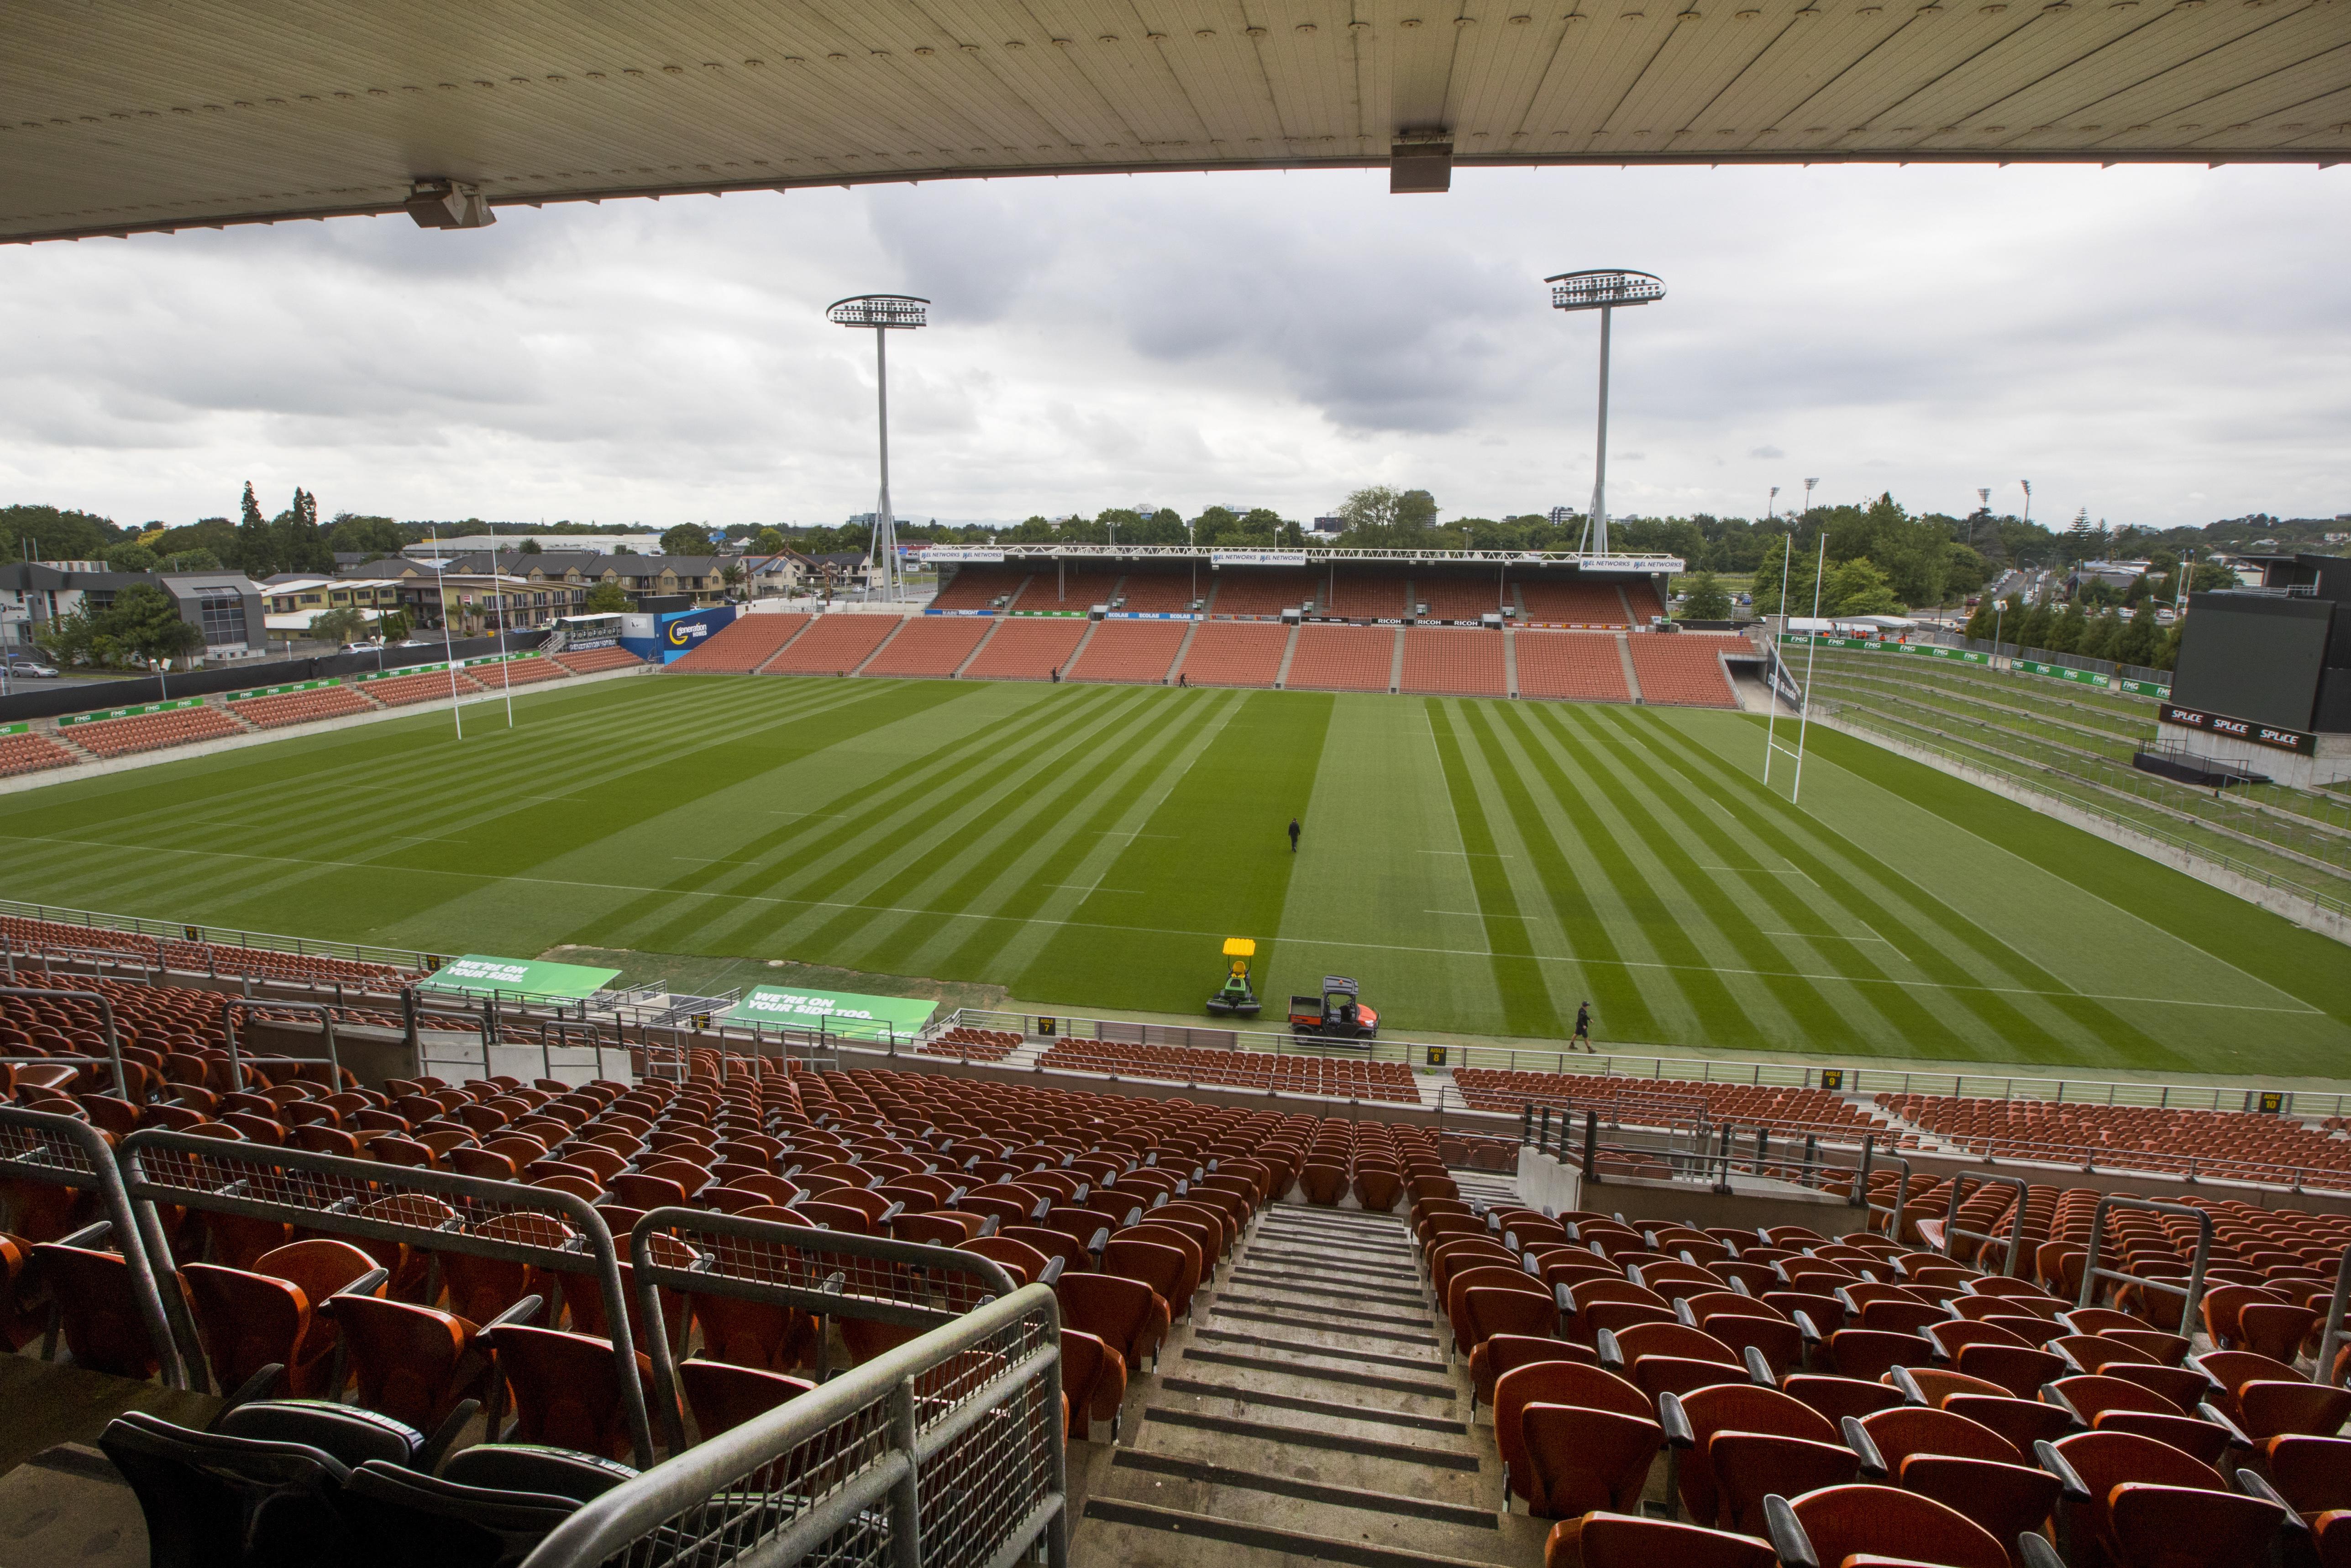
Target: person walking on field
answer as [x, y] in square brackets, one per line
[1293, 835]
[1584, 1028]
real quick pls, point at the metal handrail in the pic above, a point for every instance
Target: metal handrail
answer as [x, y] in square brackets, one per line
[2192, 1293]
[42, 1153]
[1951, 1232]
[325, 1192]
[822, 1248]
[229, 1006]
[106, 1011]
[710, 1506]
[1901, 1210]
[2331, 1338]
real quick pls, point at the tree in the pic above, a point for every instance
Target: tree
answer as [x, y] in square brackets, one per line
[1379, 517]
[191, 560]
[340, 624]
[144, 621]
[687, 538]
[532, 547]
[366, 536]
[732, 574]
[392, 625]
[2098, 642]
[256, 552]
[131, 556]
[1858, 588]
[1703, 599]
[769, 541]
[2066, 632]
[48, 534]
[2140, 642]
[2032, 631]
[296, 543]
[607, 597]
[69, 639]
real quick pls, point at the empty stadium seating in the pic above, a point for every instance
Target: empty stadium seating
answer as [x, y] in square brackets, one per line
[1747, 1106]
[1452, 661]
[931, 646]
[835, 645]
[150, 731]
[430, 686]
[1028, 650]
[1163, 592]
[1641, 595]
[979, 587]
[1073, 589]
[596, 661]
[1571, 603]
[1684, 669]
[1458, 598]
[31, 753]
[1136, 651]
[213, 957]
[1579, 665]
[1366, 593]
[2127, 1137]
[1263, 592]
[1234, 653]
[741, 646]
[1332, 658]
[523, 672]
[301, 707]
[968, 1044]
[1341, 1077]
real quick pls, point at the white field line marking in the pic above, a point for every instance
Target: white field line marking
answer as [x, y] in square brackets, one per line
[1825, 936]
[481, 876]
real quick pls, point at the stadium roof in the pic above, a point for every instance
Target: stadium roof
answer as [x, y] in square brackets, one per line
[156, 114]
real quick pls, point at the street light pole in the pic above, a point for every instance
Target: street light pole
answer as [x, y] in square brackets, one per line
[1602, 290]
[884, 313]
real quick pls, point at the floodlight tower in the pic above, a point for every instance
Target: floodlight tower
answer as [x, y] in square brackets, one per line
[1601, 289]
[885, 313]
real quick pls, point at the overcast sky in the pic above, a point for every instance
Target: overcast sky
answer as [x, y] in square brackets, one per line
[2163, 346]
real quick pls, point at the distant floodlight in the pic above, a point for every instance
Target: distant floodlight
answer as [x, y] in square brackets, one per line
[883, 313]
[1601, 289]
[878, 310]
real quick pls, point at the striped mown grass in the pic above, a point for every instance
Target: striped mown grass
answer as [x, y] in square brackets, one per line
[1481, 866]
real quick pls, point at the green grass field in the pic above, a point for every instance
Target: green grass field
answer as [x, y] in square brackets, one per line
[1481, 866]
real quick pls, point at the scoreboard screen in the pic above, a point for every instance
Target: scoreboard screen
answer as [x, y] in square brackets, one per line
[2252, 658]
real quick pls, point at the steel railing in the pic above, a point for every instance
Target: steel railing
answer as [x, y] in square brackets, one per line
[1953, 1234]
[946, 1451]
[66, 1151]
[432, 1211]
[2330, 1338]
[107, 1029]
[2190, 1293]
[830, 1274]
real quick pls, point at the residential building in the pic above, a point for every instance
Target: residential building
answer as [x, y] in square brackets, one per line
[292, 599]
[224, 605]
[598, 544]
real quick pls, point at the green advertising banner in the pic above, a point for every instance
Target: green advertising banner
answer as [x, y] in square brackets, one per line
[1965, 655]
[395, 674]
[2146, 689]
[838, 1012]
[278, 691]
[2062, 673]
[74, 719]
[476, 972]
[21, 726]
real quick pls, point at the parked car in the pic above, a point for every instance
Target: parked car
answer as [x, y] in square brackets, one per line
[29, 669]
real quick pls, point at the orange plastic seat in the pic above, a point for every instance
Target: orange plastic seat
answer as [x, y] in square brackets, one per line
[1126, 1314]
[1093, 1380]
[1170, 1272]
[723, 1397]
[1966, 1467]
[2152, 1526]
[1602, 1446]
[102, 1328]
[1711, 1497]
[1621, 1541]
[411, 1363]
[1857, 1526]
[567, 1391]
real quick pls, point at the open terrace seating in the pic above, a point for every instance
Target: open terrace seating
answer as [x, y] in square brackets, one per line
[1028, 650]
[1574, 665]
[1263, 592]
[1685, 669]
[426, 686]
[30, 753]
[835, 645]
[979, 587]
[596, 661]
[1366, 593]
[1453, 660]
[968, 1044]
[1571, 603]
[1133, 652]
[1458, 598]
[1163, 592]
[1745, 1106]
[153, 731]
[1340, 1077]
[527, 671]
[1234, 653]
[302, 707]
[192, 957]
[2127, 1137]
[931, 646]
[1342, 658]
[741, 646]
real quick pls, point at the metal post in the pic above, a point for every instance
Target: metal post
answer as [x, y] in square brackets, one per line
[1591, 1147]
[106, 1029]
[1811, 651]
[1599, 535]
[906, 1493]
